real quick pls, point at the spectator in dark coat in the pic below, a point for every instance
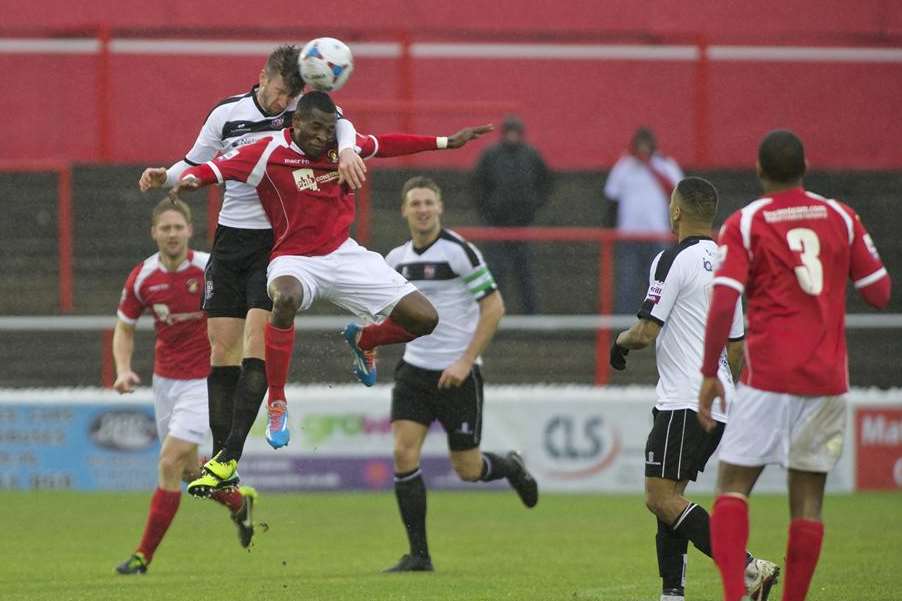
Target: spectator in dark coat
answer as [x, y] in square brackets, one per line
[511, 183]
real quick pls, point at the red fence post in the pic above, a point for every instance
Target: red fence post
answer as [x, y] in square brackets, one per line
[104, 96]
[605, 307]
[702, 141]
[64, 235]
[107, 369]
[405, 83]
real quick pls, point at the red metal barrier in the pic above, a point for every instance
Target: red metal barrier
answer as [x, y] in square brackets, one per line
[63, 173]
[605, 239]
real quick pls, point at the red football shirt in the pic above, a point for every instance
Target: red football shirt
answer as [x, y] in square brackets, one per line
[310, 213]
[792, 253]
[174, 298]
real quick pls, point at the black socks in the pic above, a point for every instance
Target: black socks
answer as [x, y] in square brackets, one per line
[410, 490]
[495, 467]
[221, 384]
[249, 395]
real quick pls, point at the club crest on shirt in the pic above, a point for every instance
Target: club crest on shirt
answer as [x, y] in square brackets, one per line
[333, 155]
[192, 285]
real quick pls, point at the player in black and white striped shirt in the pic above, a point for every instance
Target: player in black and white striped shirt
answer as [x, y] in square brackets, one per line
[673, 317]
[439, 376]
[235, 297]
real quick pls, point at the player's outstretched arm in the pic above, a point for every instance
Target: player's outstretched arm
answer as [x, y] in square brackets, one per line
[123, 348]
[468, 133]
[392, 145]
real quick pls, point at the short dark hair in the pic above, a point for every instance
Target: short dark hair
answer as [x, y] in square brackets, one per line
[284, 61]
[179, 206]
[315, 100]
[698, 197]
[419, 181]
[782, 157]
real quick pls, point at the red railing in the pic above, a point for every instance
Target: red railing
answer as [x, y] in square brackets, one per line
[63, 173]
[605, 239]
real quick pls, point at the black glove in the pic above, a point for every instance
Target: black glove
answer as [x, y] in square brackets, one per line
[618, 356]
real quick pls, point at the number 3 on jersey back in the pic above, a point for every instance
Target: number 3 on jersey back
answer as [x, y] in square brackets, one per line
[810, 273]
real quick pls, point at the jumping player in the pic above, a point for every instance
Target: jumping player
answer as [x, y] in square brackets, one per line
[313, 257]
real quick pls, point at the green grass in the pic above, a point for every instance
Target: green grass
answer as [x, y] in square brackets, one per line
[61, 546]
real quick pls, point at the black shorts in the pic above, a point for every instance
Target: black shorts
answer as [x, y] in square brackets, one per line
[236, 272]
[416, 397]
[678, 447]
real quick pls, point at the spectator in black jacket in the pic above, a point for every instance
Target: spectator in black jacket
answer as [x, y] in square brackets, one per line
[510, 184]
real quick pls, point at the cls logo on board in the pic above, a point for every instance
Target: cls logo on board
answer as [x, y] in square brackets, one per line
[579, 446]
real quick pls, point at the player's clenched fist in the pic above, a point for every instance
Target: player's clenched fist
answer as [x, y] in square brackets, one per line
[126, 382]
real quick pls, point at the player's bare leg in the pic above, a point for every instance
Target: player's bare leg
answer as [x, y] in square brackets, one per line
[474, 465]
[225, 360]
[412, 316]
[730, 525]
[410, 492]
[287, 295]
[806, 531]
[175, 457]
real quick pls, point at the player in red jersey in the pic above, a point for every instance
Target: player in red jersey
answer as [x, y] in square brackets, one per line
[791, 251]
[169, 285]
[311, 212]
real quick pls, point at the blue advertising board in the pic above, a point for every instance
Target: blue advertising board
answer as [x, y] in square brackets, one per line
[80, 446]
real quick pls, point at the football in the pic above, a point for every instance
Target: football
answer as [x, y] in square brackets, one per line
[326, 64]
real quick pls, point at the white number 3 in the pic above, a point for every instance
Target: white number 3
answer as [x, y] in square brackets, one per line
[810, 273]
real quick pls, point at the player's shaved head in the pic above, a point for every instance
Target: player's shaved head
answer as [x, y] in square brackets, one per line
[698, 198]
[781, 157]
[315, 100]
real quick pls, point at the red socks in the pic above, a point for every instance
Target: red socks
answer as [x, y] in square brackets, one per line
[802, 551]
[163, 506]
[729, 535]
[230, 497]
[379, 334]
[279, 345]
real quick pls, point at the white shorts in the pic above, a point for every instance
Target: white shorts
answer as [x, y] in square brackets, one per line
[798, 432]
[351, 277]
[181, 409]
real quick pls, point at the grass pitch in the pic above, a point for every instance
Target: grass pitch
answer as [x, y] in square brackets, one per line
[59, 546]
